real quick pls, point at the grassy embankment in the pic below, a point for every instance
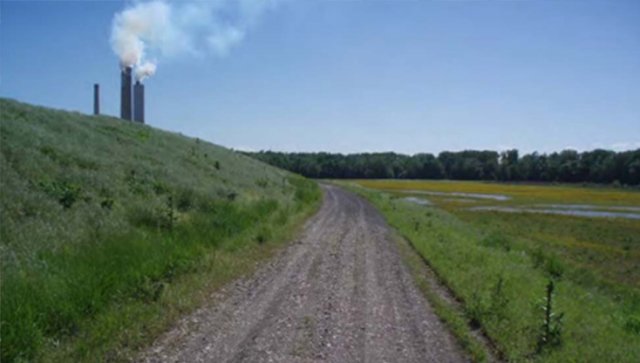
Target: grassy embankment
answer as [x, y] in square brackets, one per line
[499, 264]
[112, 230]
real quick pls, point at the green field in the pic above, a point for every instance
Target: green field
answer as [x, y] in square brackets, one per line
[498, 264]
[112, 230]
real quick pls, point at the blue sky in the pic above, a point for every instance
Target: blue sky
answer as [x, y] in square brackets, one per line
[351, 76]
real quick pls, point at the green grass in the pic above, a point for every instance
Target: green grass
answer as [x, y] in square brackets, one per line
[112, 230]
[449, 311]
[498, 265]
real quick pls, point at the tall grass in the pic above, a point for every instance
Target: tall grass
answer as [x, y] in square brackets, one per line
[100, 214]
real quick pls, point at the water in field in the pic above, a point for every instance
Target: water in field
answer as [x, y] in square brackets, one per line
[459, 200]
[589, 207]
[420, 201]
[577, 212]
[498, 197]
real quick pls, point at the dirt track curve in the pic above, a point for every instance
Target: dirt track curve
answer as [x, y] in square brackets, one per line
[339, 294]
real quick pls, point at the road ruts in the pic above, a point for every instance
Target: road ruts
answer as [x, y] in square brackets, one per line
[340, 293]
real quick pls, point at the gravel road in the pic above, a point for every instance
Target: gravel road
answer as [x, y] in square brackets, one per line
[340, 293]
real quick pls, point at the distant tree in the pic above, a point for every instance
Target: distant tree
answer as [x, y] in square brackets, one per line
[597, 166]
[428, 167]
[508, 165]
[629, 167]
[531, 167]
[569, 170]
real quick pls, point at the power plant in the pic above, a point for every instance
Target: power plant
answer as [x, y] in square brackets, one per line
[131, 97]
[131, 108]
[138, 102]
[96, 99]
[125, 93]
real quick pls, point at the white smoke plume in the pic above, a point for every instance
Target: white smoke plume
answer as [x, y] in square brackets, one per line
[144, 70]
[163, 29]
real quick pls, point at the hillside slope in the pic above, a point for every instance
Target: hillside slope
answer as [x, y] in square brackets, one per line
[98, 212]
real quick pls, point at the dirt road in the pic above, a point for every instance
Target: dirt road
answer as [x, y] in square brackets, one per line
[339, 294]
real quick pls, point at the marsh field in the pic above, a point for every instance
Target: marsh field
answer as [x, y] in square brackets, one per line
[497, 247]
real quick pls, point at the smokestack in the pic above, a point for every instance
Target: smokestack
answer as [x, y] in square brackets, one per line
[96, 99]
[138, 102]
[125, 94]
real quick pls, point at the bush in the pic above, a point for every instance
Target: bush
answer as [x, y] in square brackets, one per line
[262, 183]
[496, 240]
[185, 199]
[64, 192]
[633, 324]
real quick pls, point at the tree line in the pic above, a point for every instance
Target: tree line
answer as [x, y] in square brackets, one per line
[568, 166]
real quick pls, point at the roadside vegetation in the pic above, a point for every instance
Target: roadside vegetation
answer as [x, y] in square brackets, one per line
[543, 287]
[111, 230]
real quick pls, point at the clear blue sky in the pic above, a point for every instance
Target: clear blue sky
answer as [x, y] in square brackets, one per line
[349, 76]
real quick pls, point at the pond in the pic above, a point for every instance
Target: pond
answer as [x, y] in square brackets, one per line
[589, 207]
[578, 212]
[415, 200]
[498, 197]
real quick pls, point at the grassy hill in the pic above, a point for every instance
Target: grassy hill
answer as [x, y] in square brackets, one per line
[110, 229]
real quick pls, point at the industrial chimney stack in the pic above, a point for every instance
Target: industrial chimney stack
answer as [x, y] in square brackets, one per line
[96, 99]
[125, 94]
[138, 101]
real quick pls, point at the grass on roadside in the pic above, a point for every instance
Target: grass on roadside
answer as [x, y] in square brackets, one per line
[447, 309]
[126, 326]
[502, 286]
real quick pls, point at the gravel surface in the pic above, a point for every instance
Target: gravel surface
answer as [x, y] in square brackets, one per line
[338, 294]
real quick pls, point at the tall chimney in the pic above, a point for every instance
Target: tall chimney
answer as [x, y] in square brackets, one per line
[138, 102]
[125, 94]
[96, 99]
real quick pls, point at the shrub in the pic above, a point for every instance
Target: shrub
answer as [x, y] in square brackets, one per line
[107, 203]
[633, 324]
[496, 240]
[262, 182]
[160, 188]
[185, 199]
[65, 193]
